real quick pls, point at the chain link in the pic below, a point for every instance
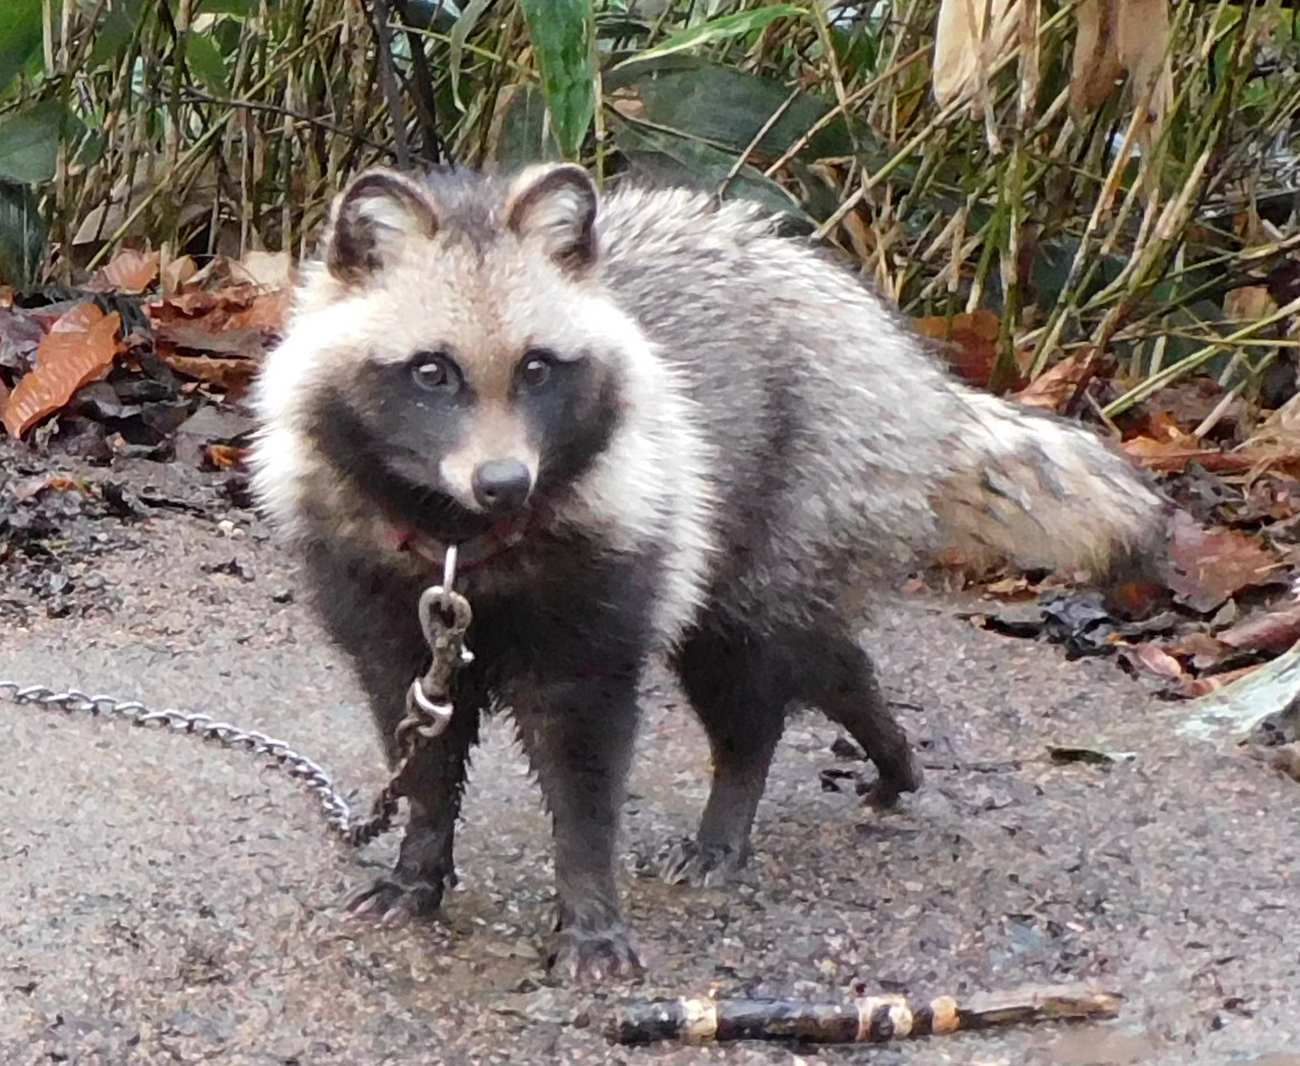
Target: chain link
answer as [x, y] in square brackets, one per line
[338, 812]
[444, 617]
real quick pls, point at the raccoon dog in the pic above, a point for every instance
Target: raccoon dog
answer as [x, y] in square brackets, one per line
[651, 424]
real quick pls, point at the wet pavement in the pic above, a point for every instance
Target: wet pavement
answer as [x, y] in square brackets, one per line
[165, 901]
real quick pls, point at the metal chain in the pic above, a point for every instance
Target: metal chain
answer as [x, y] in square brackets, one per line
[444, 618]
[338, 812]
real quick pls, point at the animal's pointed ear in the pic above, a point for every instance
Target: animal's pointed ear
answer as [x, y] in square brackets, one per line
[372, 221]
[555, 204]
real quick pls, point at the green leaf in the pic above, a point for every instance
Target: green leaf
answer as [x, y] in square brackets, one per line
[20, 38]
[206, 64]
[719, 29]
[29, 143]
[726, 107]
[522, 137]
[113, 35]
[237, 8]
[562, 32]
[456, 43]
[22, 236]
[664, 158]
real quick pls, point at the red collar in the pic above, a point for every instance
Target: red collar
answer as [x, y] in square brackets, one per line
[471, 552]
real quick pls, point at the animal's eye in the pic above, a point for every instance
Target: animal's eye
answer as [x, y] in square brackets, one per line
[434, 372]
[535, 370]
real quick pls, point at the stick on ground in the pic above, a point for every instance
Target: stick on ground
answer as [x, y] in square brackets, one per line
[867, 1019]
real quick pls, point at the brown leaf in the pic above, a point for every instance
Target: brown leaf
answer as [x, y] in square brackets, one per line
[1053, 388]
[1012, 588]
[1182, 406]
[271, 271]
[1209, 565]
[1275, 631]
[79, 349]
[1172, 456]
[175, 338]
[177, 273]
[1135, 599]
[1249, 303]
[1203, 686]
[129, 271]
[225, 456]
[235, 307]
[226, 373]
[974, 340]
[1201, 648]
[33, 487]
[1153, 659]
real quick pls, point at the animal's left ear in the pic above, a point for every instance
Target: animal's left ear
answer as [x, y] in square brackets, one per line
[555, 204]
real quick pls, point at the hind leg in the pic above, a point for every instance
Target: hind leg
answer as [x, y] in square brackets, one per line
[840, 679]
[742, 707]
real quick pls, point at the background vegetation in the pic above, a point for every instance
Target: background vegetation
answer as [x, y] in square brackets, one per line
[1107, 182]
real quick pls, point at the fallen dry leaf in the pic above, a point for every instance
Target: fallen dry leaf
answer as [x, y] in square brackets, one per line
[270, 270]
[1012, 588]
[33, 487]
[1173, 456]
[1135, 599]
[1203, 686]
[20, 335]
[238, 307]
[1201, 648]
[78, 349]
[1210, 565]
[1275, 631]
[1249, 303]
[225, 456]
[974, 339]
[237, 324]
[129, 271]
[171, 339]
[177, 273]
[1153, 659]
[226, 373]
[1052, 389]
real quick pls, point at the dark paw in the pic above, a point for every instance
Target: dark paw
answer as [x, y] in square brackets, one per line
[595, 956]
[702, 865]
[392, 900]
[895, 779]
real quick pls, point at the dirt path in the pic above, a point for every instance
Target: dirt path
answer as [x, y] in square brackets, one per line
[166, 902]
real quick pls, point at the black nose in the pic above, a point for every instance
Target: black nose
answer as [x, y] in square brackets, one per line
[502, 484]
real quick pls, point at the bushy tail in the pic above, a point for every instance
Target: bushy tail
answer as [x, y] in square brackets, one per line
[1043, 492]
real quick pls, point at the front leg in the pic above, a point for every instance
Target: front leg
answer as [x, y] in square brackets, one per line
[578, 734]
[433, 783]
[372, 613]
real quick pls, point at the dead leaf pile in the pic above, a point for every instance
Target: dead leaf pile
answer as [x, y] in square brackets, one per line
[146, 358]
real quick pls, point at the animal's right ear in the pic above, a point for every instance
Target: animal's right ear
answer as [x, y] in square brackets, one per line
[372, 220]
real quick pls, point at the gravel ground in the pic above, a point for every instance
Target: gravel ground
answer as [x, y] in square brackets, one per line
[167, 902]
